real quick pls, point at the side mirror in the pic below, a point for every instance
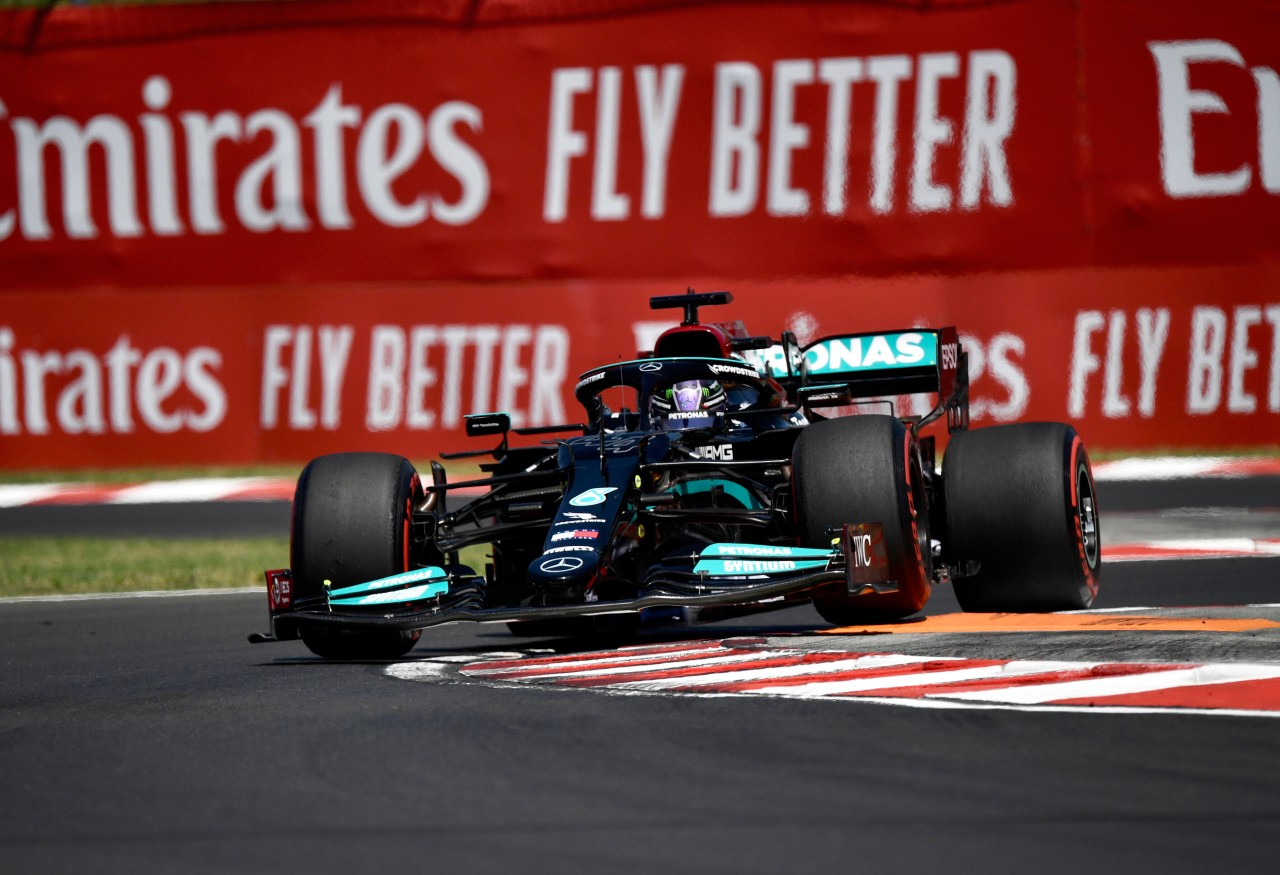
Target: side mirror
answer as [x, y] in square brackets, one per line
[827, 395]
[481, 424]
[791, 354]
[741, 343]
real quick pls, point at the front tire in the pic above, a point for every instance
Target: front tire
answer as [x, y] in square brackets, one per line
[351, 519]
[865, 469]
[1021, 506]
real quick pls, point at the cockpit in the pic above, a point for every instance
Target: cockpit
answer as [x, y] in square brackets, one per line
[674, 394]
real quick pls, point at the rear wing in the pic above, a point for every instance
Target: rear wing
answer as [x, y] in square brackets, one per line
[840, 369]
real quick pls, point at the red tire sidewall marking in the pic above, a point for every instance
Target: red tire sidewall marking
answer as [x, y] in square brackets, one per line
[907, 457]
[1080, 464]
[911, 500]
[415, 487]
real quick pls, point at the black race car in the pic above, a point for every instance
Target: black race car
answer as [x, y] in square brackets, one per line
[720, 474]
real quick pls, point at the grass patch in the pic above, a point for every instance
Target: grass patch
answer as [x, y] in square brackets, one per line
[72, 566]
[62, 566]
[146, 475]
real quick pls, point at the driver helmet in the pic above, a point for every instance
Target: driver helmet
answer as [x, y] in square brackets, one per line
[687, 404]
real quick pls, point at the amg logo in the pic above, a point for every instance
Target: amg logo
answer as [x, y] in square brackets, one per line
[752, 566]
[722, 452]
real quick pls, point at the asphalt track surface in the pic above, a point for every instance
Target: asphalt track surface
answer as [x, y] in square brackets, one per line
[145, 735]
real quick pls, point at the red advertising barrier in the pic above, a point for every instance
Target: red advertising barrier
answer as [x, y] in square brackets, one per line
[275, 230]
[233, 375]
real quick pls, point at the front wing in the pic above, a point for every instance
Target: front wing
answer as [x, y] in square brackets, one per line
[420, 599]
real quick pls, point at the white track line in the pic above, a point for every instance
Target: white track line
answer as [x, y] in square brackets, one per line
[1092, 688]
[729, 657]
[1033, 685]
[1014, 668]
[567, 668]
[195, 490]
[20, 494]
[870, 661]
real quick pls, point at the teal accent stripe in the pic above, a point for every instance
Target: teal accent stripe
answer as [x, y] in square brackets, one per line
[764, 551]
[744, 567]
[878, 352]
[395, 596]
[395, 581]
[735, 490]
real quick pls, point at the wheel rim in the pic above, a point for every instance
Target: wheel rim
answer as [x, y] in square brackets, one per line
[919, 520]
[1087, 515]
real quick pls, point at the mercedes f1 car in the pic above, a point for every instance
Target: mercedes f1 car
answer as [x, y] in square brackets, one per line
[717, 475]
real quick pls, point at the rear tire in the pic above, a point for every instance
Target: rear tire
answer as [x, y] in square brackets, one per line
[351, 515]
[865, 469]
[1020, 502]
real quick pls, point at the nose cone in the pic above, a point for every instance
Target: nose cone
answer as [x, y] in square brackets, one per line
[568, 570]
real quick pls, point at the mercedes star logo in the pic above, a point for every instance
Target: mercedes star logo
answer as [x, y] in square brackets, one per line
[561, 565]
[650, 367]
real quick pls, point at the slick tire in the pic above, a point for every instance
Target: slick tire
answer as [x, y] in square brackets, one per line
[1022, 518]
[865, 469]
[351, 516]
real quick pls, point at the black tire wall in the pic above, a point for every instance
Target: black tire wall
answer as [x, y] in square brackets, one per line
[1015, 499]
[863, 469]
[351, 514]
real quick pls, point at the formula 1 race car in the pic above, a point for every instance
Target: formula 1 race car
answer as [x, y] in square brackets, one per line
[718, 475]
